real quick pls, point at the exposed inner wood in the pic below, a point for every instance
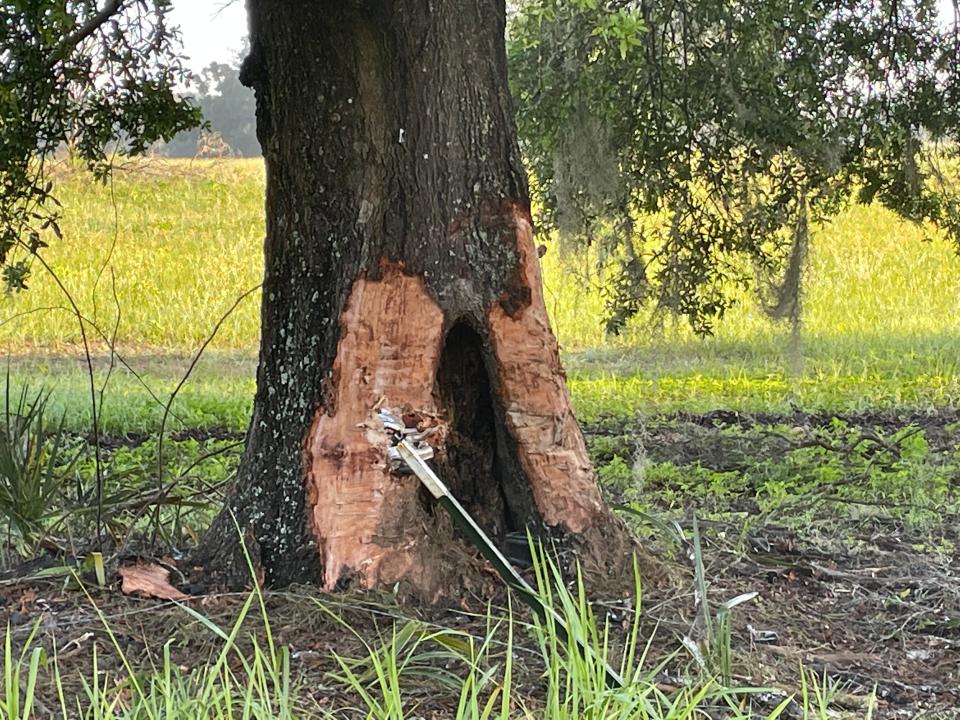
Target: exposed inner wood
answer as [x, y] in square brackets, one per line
[533, 392]
[365, 519]
[507, 441]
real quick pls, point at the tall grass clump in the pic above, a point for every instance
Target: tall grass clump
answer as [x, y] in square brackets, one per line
[33, 465]
[20, 676]
[253, 684]
[571, 676]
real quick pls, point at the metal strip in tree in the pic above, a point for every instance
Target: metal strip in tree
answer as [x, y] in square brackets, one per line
[491, 552]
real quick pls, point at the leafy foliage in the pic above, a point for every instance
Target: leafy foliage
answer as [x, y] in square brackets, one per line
[93, 79]
[177, 508]
[33, 465]
[689, 135]
[792, 475]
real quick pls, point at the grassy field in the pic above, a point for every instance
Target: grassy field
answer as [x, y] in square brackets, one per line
[160, 254]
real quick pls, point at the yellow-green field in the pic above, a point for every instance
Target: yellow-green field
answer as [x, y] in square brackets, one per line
[175, 242]
[182, 238]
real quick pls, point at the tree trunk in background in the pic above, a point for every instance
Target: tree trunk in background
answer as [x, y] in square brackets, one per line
[400, 273]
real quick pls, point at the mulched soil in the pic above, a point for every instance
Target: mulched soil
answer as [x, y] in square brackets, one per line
[878, 610]
[869, 605]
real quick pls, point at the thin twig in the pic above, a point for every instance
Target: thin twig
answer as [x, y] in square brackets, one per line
[176, 391]
[45, 308]
[98, 470]
[106, 339]
[112, 343]
[113, 242]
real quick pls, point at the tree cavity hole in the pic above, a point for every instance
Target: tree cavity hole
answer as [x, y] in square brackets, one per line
[478, 464]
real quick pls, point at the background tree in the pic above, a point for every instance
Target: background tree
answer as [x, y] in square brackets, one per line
[228, 109]
[85, 78]
[698, 140]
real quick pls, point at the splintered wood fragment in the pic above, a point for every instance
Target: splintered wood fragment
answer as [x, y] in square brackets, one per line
[149, 580]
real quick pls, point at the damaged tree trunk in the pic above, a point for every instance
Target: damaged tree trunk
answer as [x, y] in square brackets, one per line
[401, 274]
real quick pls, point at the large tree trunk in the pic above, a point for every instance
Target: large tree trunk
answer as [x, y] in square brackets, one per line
[401, 273]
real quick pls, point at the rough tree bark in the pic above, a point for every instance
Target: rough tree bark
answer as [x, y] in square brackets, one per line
[400, 273]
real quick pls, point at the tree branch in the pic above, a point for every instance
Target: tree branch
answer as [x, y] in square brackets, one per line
[111, 8]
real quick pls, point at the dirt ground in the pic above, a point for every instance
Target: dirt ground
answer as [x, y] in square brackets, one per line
[866, 602]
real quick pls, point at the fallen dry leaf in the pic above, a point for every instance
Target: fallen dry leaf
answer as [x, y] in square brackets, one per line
[27, 600]
[150, 580]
